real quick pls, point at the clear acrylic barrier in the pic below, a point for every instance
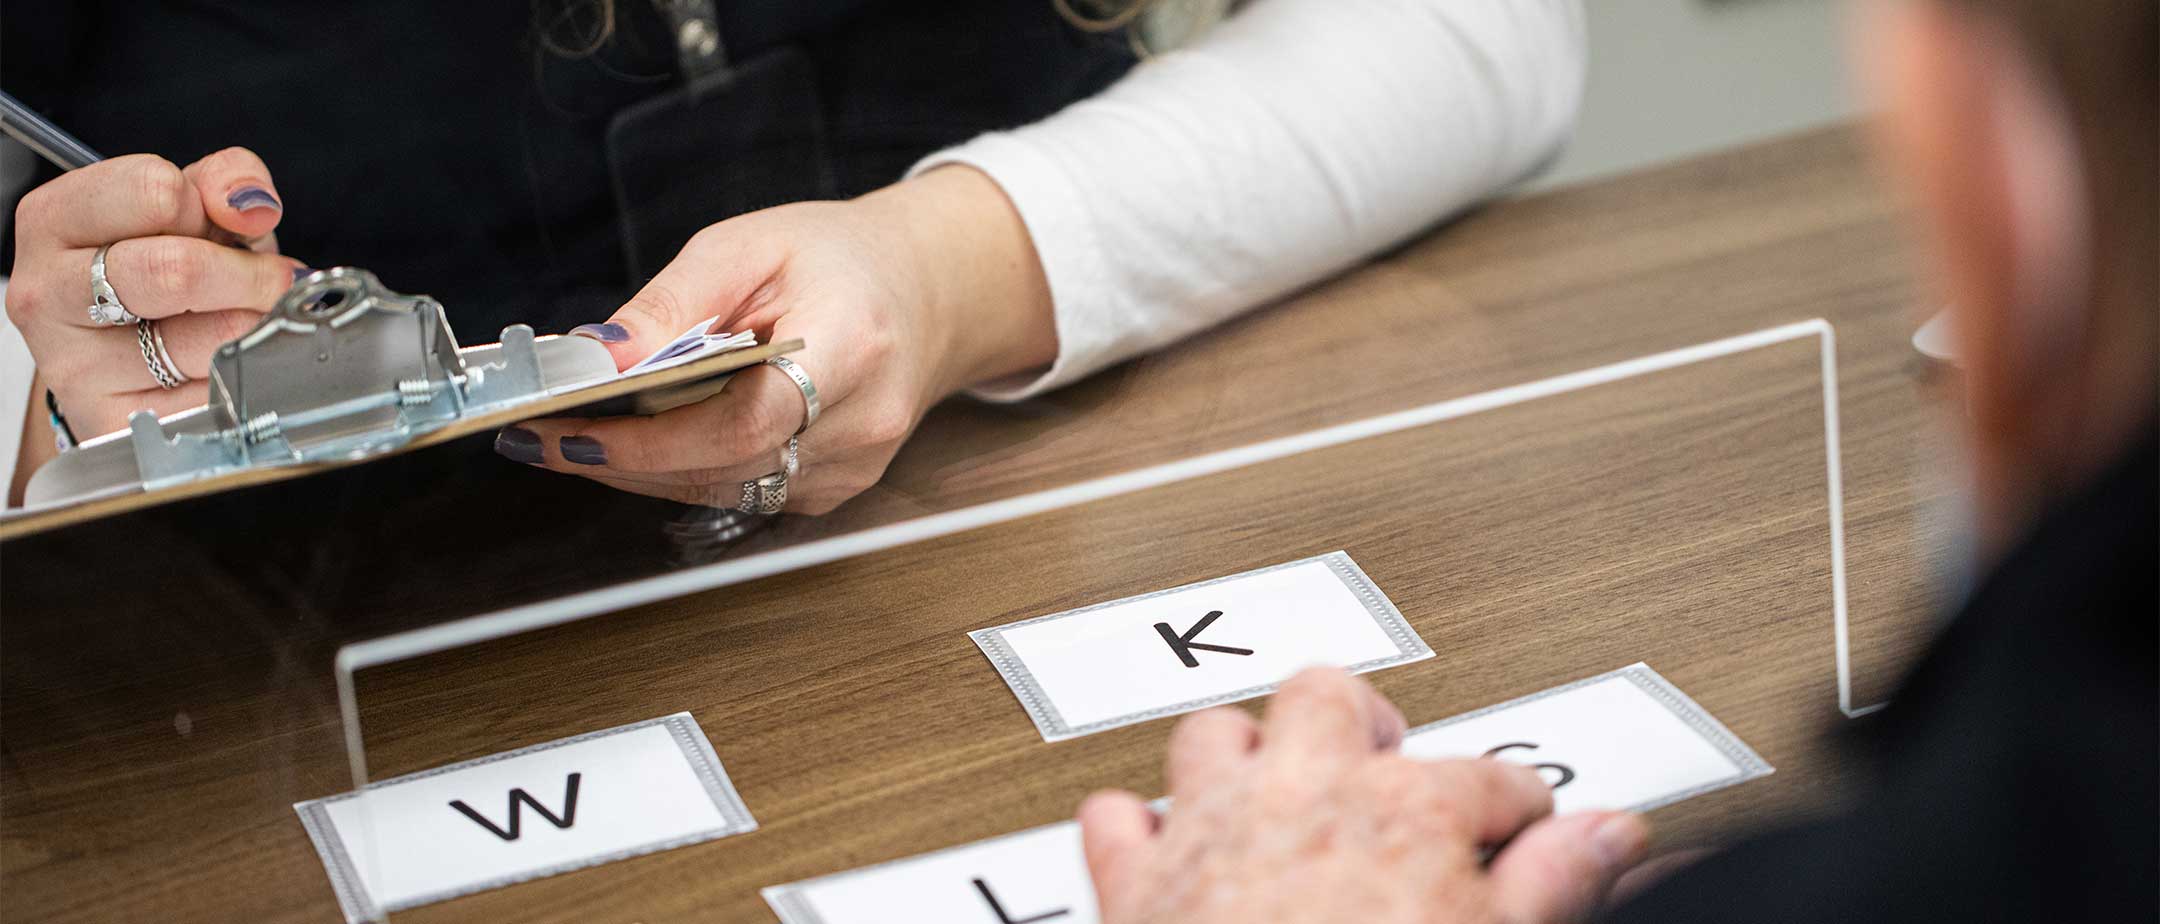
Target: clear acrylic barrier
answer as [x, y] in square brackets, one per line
[1682, 509]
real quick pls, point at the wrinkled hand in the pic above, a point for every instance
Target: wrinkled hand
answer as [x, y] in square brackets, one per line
[191, 248]
[1314, 817]
[902, 298]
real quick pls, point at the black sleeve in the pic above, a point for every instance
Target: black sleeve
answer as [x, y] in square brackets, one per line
[1797, 875]
[38, 48]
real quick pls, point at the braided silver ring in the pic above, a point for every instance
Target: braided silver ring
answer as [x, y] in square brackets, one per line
[811, 404]
[162, 368]
[105, 307]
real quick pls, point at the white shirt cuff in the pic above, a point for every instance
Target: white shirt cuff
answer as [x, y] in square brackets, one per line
[1059, 223]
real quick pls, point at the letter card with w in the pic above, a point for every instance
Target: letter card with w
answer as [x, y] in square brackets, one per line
[519, 815]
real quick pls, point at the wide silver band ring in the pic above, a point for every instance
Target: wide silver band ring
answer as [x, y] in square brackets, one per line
[811, 404]
[163, 369]
[105, 307]
[767, 495]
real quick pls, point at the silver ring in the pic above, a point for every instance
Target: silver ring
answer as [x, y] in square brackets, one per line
[105, 307]
[152, 345]
[768, 494]
[811, 405]
[765, 495]
[165, 357]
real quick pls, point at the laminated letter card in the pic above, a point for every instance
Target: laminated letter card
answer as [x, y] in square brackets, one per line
[523, 814]
[1626, 739]
[1190, 647]
[1037, 875]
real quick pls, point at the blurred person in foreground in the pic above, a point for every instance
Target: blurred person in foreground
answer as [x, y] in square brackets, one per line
[2014, 770]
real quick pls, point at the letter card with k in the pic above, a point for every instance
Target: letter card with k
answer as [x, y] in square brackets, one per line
[1178, 650]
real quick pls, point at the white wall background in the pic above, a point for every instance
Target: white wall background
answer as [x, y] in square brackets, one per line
[1670, 78]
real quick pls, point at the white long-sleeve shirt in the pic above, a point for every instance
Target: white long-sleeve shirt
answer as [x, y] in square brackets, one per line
[1291, 141]
[1287, 143]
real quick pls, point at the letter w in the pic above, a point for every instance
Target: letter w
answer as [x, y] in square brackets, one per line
[517, 795]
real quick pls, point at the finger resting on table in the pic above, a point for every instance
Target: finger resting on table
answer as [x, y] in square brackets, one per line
[1209, 747]
[1116, 831]
[1324, 715]
[1561, 868]
[1492, 800]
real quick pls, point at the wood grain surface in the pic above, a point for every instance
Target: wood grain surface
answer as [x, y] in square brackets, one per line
[1678, 519]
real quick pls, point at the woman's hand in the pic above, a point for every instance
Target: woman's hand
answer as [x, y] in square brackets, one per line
[1314, 817]
[193, 249]
[902, 297]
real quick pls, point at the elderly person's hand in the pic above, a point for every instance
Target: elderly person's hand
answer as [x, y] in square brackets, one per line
[902, 298]
[191, 249]
[1314, 817]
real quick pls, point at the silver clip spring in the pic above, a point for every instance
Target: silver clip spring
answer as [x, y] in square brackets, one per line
[415, 392]
[262, 428]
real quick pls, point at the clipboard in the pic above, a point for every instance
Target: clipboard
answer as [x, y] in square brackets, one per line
[342, 372]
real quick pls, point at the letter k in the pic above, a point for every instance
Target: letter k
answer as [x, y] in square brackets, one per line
[1184, 646]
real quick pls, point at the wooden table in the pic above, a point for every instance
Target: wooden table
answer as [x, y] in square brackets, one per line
[1679, 519]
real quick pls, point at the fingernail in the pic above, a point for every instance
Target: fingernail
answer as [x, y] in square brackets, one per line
[610, 332]
[1620, 839]
[300, 272]
[518, 445]
[248, 198]
[583, 450]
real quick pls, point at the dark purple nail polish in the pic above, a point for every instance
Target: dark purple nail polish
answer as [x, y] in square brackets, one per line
[300, 272]
[610, 332]
[583, 450]
[518, 445]
[247, 198]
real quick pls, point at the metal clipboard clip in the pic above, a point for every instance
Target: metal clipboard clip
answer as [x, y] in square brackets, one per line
[341, 369]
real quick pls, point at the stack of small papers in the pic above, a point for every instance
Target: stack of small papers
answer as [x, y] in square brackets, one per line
[694, 344]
